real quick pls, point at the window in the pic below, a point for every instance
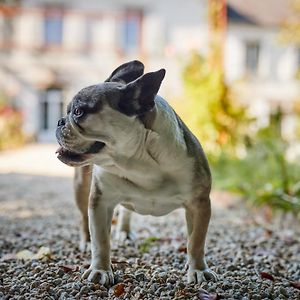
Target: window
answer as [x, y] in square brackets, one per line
[7, 31]
[131, 32]
[88, 34]
[53, 27]
[252, 57]
[51, 109]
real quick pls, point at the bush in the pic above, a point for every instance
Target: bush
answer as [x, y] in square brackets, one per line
[263, 176]
[11, 135]
[210, 109]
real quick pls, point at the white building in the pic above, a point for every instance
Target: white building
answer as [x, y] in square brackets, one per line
[51, 49]
[262, 69]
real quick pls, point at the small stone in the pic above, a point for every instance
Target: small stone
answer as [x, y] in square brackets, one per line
[180, 285]
[63, 295]
[140, 277]
[231, 268]
[76, 286]
[283, 292]
[37, 269]
[74, 292]
[60, 273]
[103, 294]
[84, 289]
[171, 280]
[159, 290]
[57, 281]
[34, 284]
[226, 286]
[45, 286]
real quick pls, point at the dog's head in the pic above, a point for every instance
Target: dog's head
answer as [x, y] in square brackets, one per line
[100, 111]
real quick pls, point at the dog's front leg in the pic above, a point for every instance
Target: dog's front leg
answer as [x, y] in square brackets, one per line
[197, 216]
[82, 182]
[100, 217]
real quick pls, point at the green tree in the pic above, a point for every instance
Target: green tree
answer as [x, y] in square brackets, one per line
[290, 32]
[213, 115]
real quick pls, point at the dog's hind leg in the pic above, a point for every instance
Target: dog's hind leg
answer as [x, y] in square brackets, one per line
[123, 231]
[197, 216]
[82, 182]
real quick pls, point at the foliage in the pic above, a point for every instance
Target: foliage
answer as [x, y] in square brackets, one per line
[11, 135]
[209, 108]
[264, 176]
[290, 33]
[147, 243]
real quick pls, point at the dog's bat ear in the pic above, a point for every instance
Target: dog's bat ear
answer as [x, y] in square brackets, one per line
[139, 95]
[127, 72]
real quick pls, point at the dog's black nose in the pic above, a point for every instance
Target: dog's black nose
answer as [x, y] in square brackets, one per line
[61, 122]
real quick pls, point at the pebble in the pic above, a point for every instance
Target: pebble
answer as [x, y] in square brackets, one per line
[57, 281]
[45, 286]
[140, 276]
[60, 273]
[234, 250]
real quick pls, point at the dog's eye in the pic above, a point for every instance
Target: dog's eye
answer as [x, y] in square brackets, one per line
[78, 112]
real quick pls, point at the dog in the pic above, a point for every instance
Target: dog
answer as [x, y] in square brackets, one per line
[129, 147]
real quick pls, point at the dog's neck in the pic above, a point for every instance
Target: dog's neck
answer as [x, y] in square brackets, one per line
[129, 141]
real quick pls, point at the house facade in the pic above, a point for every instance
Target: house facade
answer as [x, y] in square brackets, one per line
[51, 49]
[262, 69]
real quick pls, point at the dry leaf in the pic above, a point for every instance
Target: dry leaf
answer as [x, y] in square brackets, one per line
[182, 249]
[68, 268]
[43, 252]
[295, 284]
[119, 289]
[205, 295]
[266, 275]
[25, 254]
[113, 261]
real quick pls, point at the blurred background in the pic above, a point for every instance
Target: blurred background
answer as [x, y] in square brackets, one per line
[233, 75]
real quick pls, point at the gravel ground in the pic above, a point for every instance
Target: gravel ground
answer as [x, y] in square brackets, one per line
[37, 214]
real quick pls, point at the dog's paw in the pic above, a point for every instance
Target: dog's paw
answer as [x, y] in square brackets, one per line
[198, 276]
[104, 277]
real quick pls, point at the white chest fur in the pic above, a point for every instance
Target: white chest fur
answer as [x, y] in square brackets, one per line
[154, 175]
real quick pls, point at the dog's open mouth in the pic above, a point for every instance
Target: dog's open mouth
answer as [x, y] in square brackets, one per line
[66, 155]
[69, 157]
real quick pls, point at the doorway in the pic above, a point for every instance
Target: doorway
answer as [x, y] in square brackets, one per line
[51, 110]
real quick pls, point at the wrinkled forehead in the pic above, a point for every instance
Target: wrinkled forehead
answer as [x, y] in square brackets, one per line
[95, 96]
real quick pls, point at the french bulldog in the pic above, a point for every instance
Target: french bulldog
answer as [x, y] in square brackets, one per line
[129, 147]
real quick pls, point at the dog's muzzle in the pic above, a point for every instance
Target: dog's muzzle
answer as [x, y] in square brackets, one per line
[70, 151]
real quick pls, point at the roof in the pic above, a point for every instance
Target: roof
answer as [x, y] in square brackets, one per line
[259, 12]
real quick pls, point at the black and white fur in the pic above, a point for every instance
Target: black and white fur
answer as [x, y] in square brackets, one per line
[143, 157]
